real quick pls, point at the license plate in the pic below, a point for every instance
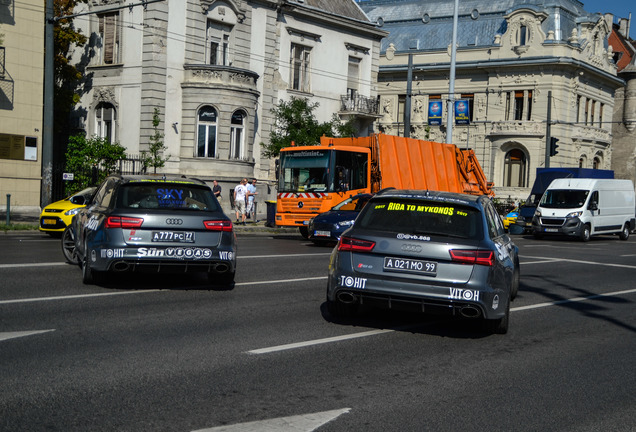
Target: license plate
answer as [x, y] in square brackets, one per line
[410, 266]
[322, 233]
[49, 221]
[173, 236]
[551, 230]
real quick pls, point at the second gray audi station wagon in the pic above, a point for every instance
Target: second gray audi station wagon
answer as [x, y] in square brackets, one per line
[426, 251]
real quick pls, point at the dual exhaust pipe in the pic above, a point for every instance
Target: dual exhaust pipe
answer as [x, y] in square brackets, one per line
[122, 266]
[347, 297]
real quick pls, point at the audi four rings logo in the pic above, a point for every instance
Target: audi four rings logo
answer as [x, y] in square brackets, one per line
[174, 221]
[411, 248]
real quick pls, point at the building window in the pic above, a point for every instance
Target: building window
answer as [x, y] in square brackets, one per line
[587, 110]
[109, 38]
[299, 65]
[597, 163]
[353, 77]
[515, 169]
[470, 98]
[105, 121]
[592, 113]
[600, 116]
[578, 109]
[237, 135]
[206, 132]
[523, 35]
[522, 108]
[218, 43]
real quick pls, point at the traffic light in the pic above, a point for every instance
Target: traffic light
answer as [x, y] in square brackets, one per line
[553, 146]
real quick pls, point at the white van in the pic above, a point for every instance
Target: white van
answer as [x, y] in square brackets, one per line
[583, 207]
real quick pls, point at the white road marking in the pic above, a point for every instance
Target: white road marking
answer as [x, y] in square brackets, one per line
[318, 341]
[12, 335]
[2, 266]
[298, 423]
[571, 300]
[77, 296]
[585, 262]
[279, 281]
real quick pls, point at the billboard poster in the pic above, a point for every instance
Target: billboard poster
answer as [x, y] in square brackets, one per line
[435, 112]
[462, 114]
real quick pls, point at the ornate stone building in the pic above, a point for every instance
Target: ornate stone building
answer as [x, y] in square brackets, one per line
[511, 55]
[215, 68]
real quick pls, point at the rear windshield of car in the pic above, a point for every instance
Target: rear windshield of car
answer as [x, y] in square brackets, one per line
[167, 196]
[420, 217]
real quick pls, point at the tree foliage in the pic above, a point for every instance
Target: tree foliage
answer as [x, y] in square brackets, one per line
[154, 157]
[68, 77]
[91, 160]
[295, 121]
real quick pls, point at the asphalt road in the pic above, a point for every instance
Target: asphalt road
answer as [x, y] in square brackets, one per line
[166, 354]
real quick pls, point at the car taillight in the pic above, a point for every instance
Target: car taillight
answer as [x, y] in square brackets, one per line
[123, 222]
[218, 225]
[355, 245]
[479, 257]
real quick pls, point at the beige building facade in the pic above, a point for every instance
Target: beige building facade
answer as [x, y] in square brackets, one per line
[21, 102]
[513, 60]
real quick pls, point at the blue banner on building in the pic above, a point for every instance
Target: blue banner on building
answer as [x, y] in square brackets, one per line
[435, 112]
[462, 112]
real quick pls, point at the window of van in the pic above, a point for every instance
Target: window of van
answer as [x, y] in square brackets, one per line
[564, 198]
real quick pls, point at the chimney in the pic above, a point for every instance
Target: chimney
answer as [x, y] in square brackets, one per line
[623, 26]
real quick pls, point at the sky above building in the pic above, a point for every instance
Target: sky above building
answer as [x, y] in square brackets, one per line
[619, 8]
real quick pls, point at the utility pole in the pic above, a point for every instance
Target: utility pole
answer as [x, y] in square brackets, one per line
[46, 192]
[451, 86]
[407, 102]
[547, 130]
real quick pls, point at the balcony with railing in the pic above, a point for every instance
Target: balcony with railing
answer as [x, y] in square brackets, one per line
[358, 106]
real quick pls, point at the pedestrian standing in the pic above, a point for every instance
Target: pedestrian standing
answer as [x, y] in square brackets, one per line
[240, 196]
[251, 200]
[216, 189]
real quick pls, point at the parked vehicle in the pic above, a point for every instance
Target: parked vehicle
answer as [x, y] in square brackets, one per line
[312, 179]
[544, 177]
[426, 251]
[56, 216]
[586, 207]
[328, 226]
[154, 224]
[510, 218]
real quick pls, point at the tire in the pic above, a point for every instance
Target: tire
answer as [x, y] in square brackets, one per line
[585, 233]
[89, 276]
[68, 246]
[624, 235]
[498, 326]
[514, 287]
[304, 231]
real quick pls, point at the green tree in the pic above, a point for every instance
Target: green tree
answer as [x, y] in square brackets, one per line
[68, 78]
[91, 160]
[154, 156]
[295, 121]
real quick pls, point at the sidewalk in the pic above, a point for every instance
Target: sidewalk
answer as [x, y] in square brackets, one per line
[249, 227]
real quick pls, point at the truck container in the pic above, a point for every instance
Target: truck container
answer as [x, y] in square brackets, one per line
[312, 179]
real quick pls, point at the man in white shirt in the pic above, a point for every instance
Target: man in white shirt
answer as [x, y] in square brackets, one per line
[240, 194]
[251, 200]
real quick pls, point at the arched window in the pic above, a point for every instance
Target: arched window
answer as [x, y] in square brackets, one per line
[105, 121]
[237, 135]
[515, 169]
[523, 34]
[597, 163]
[206, 132]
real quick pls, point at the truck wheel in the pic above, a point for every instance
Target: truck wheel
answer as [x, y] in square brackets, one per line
[585, 233]
[624, 235]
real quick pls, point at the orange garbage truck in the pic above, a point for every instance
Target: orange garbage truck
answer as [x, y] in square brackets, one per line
[312, 179]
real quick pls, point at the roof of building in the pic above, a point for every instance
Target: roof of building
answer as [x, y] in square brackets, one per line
[417, 24]
[344, 8]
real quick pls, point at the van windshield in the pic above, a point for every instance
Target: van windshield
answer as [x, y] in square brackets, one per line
[564, 198]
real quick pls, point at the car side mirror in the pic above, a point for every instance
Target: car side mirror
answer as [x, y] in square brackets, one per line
[593, 206]
[79, 200]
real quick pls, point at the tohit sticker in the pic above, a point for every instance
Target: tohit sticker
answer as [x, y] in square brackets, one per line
[353, 282]
[112, 253]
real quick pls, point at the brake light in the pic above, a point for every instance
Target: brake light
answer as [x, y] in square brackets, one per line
[479, 257]
[355, 245]
[218, 225]
[123, 222]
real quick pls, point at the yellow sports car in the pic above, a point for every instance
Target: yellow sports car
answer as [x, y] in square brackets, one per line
[56, 216]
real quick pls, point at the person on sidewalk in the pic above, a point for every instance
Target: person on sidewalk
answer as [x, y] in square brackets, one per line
[251, 200]
[240, 195]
